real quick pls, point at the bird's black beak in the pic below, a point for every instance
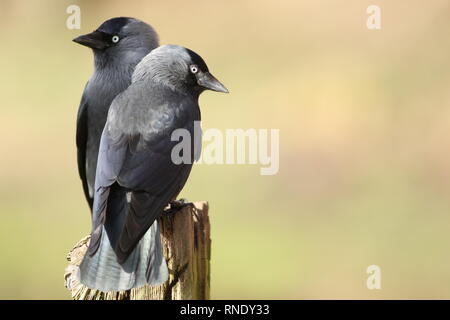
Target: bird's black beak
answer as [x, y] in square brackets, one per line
[208, 81]
[93, 40]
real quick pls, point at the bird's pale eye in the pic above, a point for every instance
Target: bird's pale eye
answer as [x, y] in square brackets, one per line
[193, 68]
[115, 39]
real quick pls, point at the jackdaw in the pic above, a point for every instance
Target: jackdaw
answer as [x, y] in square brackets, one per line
[118, 45]
[136, 158]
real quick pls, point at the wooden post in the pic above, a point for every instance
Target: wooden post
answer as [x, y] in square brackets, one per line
[186, 241]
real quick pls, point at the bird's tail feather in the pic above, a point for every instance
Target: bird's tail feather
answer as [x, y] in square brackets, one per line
[145, 265]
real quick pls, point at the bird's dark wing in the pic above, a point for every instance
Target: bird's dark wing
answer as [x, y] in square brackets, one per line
[135, 152]
[81, 141]
[112, 153]
[149, 169]
[158, 181]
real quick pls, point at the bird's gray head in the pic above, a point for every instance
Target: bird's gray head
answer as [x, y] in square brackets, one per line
[120, 38]
[178, 68]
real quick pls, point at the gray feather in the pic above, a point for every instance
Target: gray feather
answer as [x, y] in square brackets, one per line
[145, 265]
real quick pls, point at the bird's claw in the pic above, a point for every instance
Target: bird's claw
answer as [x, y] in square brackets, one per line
[177, 205]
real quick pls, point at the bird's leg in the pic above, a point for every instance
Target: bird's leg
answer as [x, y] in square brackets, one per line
[177, 205]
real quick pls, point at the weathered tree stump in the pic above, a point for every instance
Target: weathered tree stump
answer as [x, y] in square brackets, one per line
[186, 241]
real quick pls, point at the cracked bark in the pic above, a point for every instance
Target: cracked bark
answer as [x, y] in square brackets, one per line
[186, 243]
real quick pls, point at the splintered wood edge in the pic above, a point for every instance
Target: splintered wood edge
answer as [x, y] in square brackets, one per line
[80, 292]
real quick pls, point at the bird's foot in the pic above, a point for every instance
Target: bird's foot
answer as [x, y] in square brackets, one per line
[177, 205]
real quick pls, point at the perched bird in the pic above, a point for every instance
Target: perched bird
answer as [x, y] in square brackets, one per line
[118, 45]
[135, 162]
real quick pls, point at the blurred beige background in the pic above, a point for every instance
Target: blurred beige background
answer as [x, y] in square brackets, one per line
[364, 119]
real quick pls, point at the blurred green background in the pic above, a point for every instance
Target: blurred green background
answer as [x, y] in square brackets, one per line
[364, 123]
